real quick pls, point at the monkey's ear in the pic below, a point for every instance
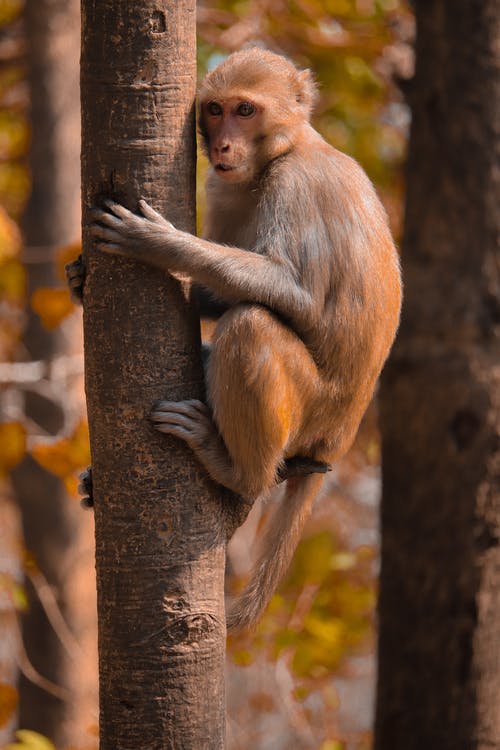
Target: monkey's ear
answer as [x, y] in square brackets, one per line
[306, 91]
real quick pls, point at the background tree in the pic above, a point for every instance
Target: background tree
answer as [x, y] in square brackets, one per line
[161, 526]
[55, 534]
[439, 673]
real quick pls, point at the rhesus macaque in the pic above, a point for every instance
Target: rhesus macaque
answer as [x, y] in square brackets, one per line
[297, 242]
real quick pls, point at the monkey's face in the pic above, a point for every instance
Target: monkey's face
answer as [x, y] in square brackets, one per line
[232, 130]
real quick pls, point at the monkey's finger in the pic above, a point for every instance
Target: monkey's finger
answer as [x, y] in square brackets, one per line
[190, 406]
[176, 430]
[149, 212]
[105, 233]
[74, 275]
[174, 419]
[104, 217]
[118, 209]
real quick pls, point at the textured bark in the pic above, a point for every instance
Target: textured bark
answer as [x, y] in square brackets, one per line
[161, 525]
[439, 674]
[52, 523]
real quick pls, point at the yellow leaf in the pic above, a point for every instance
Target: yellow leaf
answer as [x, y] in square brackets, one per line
[13, 442]
[343, 561]
[66, 456]
[8, 703]
[52, 305]
[243, 658]
[331, 632]
[9, 10]
[29, 740]
[15, 592]
[12, 280]
[332, 745]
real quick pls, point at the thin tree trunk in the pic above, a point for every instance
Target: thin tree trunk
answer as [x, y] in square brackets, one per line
[53, 527]
[439, 673]
[161, 525]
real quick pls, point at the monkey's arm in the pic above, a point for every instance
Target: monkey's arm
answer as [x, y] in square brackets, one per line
[233, 274]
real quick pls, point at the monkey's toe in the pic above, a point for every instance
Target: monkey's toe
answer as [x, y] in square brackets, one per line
[189, 407]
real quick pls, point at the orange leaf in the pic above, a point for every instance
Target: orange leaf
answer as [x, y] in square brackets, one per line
[8, 702]
[52, 305]
[10, 236]
[13, 442]
[66, 456]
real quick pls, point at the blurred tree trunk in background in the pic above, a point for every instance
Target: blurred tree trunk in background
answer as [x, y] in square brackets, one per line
[56, 531]
[439, 673]
[160, 523]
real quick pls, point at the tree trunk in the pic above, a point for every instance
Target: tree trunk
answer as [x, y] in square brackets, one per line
[439, 674]
[53, 527]
[161, 525]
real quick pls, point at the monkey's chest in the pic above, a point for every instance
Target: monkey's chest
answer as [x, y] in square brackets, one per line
[236, 225]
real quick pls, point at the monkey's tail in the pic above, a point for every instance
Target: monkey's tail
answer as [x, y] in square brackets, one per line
[278, 545]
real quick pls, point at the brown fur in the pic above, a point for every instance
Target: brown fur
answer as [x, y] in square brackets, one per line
[298, 242]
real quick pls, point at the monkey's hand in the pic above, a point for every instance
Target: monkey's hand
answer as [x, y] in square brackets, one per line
[85, 488]
[140, 236]
[75, 277]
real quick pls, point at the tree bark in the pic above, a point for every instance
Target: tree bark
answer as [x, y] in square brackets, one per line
[161, 525]
[439, 648]
[54, 531]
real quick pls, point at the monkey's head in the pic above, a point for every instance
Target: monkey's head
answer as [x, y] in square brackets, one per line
[251, 108]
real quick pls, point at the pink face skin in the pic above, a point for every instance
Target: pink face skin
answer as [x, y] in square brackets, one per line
[232, 126]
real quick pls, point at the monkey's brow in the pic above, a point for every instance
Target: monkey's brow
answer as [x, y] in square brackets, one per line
[238, 95]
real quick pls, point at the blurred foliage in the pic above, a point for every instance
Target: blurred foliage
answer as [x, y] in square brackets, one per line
[52, 305]
[29, 740]
[8, 703]
[9, 10]
[323, 612]
[14, 177]
[13, 442]
[66, 456]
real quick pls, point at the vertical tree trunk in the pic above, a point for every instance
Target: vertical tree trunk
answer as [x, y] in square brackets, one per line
[160, 523]
[439, 675]
[52, 523]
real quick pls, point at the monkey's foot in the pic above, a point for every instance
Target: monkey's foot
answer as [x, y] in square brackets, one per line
[190, 421]
[301, 466]
[85, 488]
[75, 277]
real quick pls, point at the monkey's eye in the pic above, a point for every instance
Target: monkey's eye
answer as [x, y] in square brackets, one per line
[245, 109]
[214, 109]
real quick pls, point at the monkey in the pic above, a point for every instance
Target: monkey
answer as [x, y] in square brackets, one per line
[297, 245]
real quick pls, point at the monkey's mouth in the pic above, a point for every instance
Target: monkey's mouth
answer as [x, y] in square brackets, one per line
[224, 168]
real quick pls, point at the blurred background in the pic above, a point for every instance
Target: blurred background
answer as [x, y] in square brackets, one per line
[306, 678]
